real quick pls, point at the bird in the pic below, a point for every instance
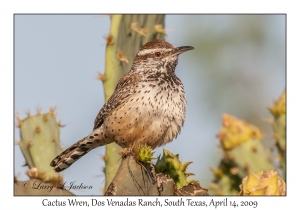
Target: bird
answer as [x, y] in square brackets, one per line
[147, 107]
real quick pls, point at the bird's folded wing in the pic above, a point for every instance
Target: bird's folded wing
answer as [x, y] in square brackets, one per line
[123, 92]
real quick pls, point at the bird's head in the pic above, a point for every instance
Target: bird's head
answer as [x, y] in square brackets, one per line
[159, 56]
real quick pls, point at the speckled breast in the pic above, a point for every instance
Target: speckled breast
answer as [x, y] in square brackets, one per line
[152, 116]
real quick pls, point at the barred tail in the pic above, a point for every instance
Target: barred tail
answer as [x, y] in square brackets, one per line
[76, 151]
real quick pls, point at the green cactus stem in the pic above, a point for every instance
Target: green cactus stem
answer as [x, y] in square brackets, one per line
[243, 149]
[40, 141]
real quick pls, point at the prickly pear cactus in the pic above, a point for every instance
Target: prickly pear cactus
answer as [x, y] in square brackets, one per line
[40, 141]
[243, 149]
[171, 165]
[278, 110]
[263, 183]
[128, 33]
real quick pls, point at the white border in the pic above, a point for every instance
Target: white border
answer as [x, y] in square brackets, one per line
[8, 8]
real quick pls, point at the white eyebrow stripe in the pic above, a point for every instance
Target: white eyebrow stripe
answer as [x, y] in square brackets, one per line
[149, 51]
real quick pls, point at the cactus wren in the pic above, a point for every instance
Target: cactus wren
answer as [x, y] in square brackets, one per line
[147, 107]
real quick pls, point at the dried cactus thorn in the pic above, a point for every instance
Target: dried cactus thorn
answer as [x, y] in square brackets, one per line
[122, 57]
[160, 29]
[52, 111]
[109, 40]
[104, 158]
[38, 110]
[45, 118]
[254, 149]
[32, 173]
[37, 129]
[19, 120]
[41, 175]
[28, 113]
[144, 31]
[60, 124]
[135, 27]
[100, 77]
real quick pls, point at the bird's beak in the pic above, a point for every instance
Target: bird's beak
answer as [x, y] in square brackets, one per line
[179, 50]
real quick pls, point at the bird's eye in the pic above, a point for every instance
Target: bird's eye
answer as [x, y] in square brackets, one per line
[157, 54]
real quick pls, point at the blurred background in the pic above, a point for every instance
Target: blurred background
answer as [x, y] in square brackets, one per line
[238, 67]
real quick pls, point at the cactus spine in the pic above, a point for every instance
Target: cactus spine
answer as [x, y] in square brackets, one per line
[40, 142]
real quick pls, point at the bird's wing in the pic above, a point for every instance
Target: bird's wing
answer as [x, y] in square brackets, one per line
[124, 90]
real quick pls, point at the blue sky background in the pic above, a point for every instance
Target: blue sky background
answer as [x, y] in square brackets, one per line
[58, 56]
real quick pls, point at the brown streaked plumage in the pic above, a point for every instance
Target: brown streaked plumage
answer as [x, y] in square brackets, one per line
[147, 107]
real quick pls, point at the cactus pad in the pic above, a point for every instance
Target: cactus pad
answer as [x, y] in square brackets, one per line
[40, 141]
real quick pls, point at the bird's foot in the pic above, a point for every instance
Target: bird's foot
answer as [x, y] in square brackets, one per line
[125, 152]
